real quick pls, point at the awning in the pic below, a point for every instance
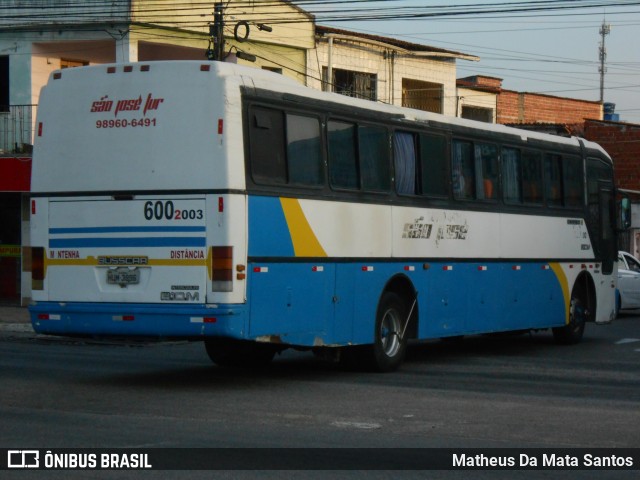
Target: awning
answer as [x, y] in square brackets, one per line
[15, 174]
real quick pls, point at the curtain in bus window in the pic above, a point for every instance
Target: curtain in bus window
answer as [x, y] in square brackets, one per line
[511, 175]
[404, 155]
[486, 157]
[343, 169]
[304, 152]
[463, 171]
[532, 177]
[373, 143]
[433, 165]
[553, 179]
[573, 180]
[266, 146]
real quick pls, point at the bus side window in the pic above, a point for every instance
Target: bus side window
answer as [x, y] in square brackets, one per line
[304, 150]
[373, 149]
[343, 167]
[532, 177]
[512, 175]
[463, 176]
[573, 182]
[404, 156]
[433, 165]
[553, 179]
[266, 146]
[486, 157]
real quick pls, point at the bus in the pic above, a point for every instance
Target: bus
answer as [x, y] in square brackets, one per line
[211, 201]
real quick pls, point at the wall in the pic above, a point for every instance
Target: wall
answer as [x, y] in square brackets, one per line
[622, 142]
[522, 107]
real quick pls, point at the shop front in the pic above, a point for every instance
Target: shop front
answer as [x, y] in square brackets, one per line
[15, 179]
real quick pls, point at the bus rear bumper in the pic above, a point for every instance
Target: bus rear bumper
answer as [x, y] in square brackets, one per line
[138, 320]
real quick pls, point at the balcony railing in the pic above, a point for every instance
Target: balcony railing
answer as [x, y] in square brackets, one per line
[16, 128]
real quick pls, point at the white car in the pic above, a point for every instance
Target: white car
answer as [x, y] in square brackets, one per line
[628, 281]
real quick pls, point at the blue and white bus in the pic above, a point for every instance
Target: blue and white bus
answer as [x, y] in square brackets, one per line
[217, 202]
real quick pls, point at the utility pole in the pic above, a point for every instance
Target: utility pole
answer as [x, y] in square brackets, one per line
[216, 34]
[605, 30]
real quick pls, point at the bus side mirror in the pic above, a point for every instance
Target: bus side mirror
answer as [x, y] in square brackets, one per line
[624, 214]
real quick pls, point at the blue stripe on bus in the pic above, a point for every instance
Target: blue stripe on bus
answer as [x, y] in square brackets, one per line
[58, 231]
[128, 242]
[268, 230]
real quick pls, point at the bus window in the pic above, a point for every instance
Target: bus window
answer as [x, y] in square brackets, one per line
[463, 171]
[343, 168]
[532, 177]
[573, 182]
[553, 179]
[512, 175]
[433, 165]
[304, 150]
[373, 143]
[404, 155]
[487, 165]
[268, 162]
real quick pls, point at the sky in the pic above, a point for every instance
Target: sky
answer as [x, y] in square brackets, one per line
[549, 51]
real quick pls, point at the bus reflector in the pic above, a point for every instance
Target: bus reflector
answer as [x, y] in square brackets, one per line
[409, 268]
[317, 268]
[203, 319]
[447, 268]
[222, 269]
[37, 268]
[205, 68]
[123, 318]
[220, 126]
[39, 129]
[48, 316]
[260, 269]
[482, 268]
[33, 207]
[516, 267]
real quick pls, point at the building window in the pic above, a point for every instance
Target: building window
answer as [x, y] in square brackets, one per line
[421, 95]
[477, 113]
[351, 83]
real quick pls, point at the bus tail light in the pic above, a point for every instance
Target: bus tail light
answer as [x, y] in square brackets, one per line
[37, 268]
[222, 269]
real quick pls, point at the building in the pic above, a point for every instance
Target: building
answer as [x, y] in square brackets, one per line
[385, 69]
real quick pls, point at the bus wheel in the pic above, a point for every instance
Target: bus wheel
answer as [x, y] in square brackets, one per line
[389, 346]
[227, 352]
[572, 332]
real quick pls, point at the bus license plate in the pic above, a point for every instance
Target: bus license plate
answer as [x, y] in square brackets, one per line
[123, 277]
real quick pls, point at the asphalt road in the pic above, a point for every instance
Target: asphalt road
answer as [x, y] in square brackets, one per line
[517, 392]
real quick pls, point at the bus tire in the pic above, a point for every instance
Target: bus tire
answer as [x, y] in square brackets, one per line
[572, 332]
[389, 347]
[226, 352]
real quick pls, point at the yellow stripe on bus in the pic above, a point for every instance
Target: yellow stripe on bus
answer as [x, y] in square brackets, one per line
[92, 261]
[305, 242]
[564, 284]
